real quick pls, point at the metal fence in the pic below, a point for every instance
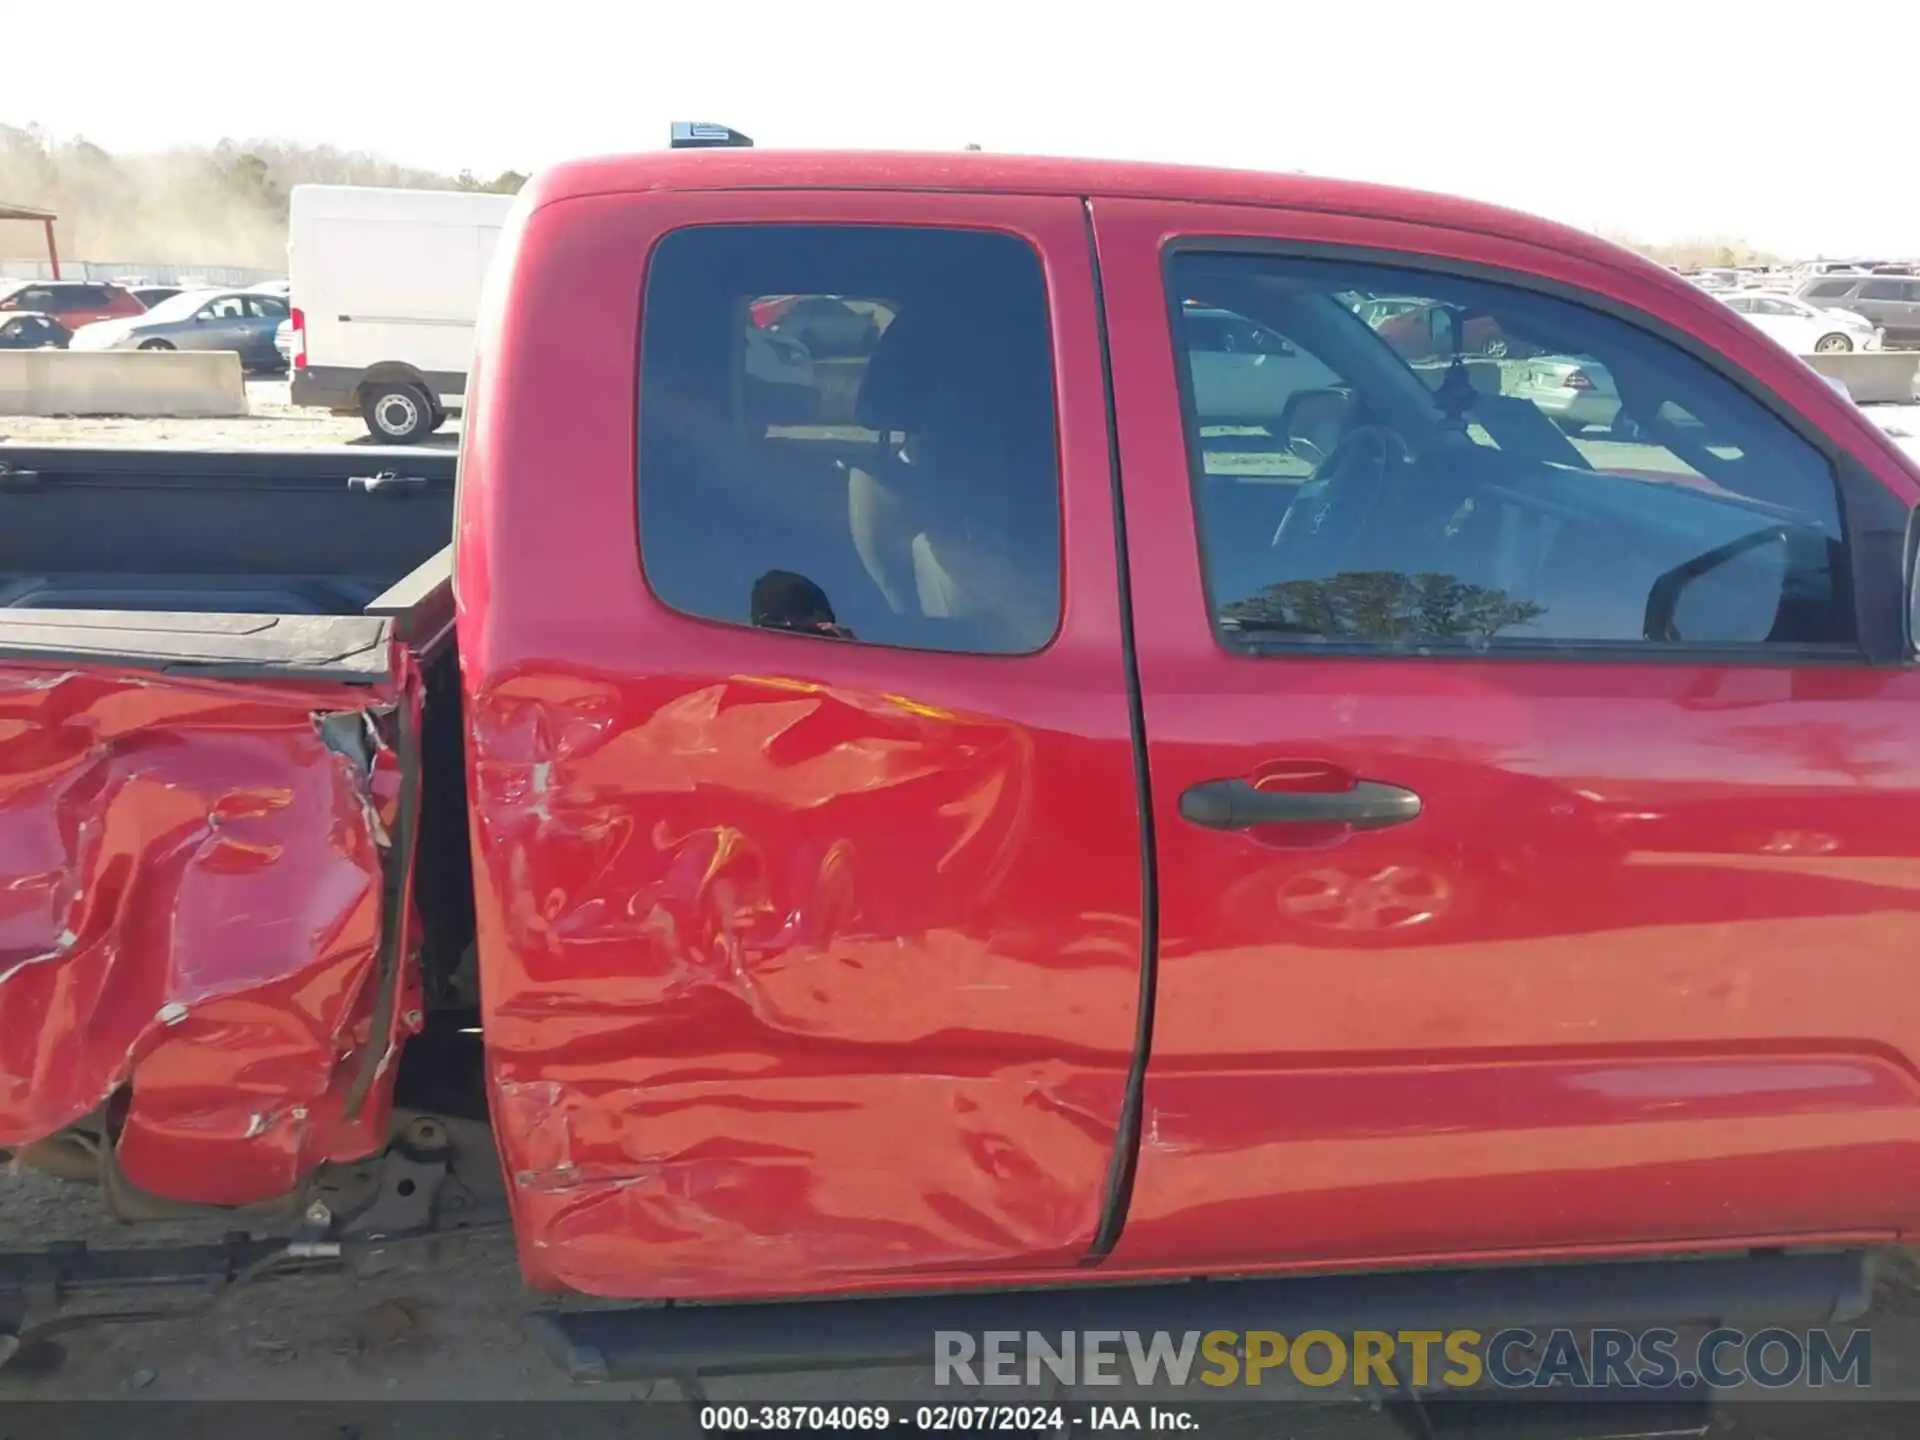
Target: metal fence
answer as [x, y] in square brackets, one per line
[149, 272]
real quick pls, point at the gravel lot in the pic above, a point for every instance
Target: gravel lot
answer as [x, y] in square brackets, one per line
[452, 1330]
[274, 421]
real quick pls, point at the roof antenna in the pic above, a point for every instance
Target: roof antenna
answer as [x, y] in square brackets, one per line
[698, 135]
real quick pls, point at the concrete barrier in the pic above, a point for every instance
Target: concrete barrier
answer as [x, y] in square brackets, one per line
[145, 384]
[1872, 377]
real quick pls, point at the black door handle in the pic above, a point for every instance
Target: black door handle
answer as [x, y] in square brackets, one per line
[1236, 805]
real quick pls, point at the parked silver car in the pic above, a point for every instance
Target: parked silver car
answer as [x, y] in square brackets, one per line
[1570, 390]
[238, 320]
[1891, 302]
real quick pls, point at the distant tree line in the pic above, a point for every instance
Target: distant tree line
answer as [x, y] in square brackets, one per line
[223, 204]
[1384, 607]
[226, 204]
[1699, 253]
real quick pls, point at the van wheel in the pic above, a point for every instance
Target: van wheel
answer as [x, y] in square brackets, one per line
[397, 412]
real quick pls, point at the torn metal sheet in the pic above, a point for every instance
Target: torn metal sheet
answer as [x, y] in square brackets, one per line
[196, 900]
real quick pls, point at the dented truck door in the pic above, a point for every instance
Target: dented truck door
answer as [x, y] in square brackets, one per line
[806, 835]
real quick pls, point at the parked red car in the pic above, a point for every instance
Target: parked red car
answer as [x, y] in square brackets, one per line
[997, 830]
[1409, 326]
[72, 302]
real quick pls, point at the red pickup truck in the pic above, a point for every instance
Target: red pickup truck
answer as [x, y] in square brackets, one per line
[935, 815]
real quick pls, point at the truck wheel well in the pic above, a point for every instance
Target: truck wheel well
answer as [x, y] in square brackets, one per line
[388, 371]
[441, 1068]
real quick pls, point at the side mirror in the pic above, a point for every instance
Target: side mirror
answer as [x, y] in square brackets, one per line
[1912, 552]
[1731, 594]
[1442, 328]
[1312, 422]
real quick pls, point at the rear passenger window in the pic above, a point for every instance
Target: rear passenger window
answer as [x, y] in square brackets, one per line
[1443, 464]
[1881, 290]
[848, 432]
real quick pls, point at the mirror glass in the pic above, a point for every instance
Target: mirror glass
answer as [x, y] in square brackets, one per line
[1913, 584]
[1315, 421]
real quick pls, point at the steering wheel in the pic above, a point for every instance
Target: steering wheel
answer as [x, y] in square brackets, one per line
[1335, 500]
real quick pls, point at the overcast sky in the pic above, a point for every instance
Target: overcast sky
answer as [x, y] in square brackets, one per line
[1664, 120]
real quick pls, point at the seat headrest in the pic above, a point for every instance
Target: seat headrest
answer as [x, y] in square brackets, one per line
[929, 362]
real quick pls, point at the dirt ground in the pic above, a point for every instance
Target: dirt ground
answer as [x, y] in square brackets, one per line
[446, 1331]
[450, 1329]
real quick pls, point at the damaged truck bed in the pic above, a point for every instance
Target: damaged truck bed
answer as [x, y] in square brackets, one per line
[212, 670]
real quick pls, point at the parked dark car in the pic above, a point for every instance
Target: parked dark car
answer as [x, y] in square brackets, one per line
[1890, 301]
[30, 330]
[198, 320]
[72, 302]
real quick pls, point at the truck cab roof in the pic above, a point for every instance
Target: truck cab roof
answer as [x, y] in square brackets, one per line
[977, 172]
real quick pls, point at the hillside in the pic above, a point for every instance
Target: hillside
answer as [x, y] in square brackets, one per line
[224, 204]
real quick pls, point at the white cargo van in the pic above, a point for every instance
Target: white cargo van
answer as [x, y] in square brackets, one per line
[384, 288]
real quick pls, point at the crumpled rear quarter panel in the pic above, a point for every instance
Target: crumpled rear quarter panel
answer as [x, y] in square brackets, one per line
[191, 908]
